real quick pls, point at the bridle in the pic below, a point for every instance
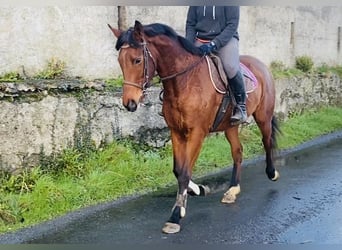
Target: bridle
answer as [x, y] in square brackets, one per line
[146, 78]
[146, 82]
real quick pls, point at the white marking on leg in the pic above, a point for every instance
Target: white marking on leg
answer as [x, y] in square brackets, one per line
[183, 207]
[181, 201]
[194, 187]
[182, 212]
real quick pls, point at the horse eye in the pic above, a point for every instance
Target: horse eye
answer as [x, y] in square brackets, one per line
[137, 60]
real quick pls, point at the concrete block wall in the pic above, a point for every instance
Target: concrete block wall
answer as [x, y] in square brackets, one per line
[78, 35]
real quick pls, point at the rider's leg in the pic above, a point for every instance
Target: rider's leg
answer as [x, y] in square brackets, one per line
[230, 58]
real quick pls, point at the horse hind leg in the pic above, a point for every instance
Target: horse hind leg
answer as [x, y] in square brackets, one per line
[236, 150]
[269, 130]
[275, 132]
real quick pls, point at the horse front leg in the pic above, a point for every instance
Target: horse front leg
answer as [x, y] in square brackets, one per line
[232, 136]
[186, 149]
[179, 208]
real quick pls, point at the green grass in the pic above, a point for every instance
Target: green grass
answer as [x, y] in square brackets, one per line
[124, 168]
[310, 125]
[280, 71]
[326, 70]
[114, 82]
[118, 82]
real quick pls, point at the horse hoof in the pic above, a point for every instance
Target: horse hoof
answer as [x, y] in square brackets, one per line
[230, 195]
[204, 190]
[276, 176]
[171, 228]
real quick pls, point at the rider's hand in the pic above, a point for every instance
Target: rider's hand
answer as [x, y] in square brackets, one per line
[207, 48]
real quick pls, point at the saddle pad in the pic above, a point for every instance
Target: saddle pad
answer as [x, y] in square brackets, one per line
[251, 83]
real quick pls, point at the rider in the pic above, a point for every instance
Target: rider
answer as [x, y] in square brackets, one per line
[215, 29]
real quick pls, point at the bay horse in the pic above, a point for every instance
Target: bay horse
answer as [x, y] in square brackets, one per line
[190, 104]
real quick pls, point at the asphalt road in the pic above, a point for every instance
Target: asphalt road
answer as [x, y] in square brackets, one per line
[304, 206]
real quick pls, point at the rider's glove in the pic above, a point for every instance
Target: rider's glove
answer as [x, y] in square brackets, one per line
[208, 48]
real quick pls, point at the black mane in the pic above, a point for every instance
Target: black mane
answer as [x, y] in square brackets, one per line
[156, 29]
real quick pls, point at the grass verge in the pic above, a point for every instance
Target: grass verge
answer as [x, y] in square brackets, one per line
[123, 168]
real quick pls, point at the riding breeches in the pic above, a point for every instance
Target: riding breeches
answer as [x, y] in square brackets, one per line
[229, 55]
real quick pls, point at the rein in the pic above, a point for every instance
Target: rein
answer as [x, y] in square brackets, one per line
[183, 71]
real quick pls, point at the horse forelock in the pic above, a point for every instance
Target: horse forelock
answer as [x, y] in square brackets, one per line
[126, 38]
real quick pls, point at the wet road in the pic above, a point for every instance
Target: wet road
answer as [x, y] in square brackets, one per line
[304, 206]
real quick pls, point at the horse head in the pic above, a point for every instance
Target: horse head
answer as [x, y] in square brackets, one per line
[136, 62]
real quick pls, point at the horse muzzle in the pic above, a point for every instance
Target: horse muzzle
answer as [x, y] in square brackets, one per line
[131, 106]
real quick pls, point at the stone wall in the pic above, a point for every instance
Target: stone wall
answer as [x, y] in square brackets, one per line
[297, 94]
[45, 117]
[42, 117]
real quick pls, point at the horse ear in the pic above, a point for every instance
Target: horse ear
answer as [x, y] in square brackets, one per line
[138, 31]
[116, 32]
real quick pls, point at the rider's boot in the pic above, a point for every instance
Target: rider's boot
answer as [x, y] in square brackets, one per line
[237, 86]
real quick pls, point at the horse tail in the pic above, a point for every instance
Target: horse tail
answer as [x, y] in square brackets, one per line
[275, 132]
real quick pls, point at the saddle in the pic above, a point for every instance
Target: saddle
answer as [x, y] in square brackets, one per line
[220, 81]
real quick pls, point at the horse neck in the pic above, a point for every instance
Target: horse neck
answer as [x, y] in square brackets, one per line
[172, 58]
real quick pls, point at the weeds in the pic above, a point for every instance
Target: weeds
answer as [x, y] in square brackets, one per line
[279, 70]
[304, 63]
[10, 77]
[68, 162]
[19, 183]
[337, 70]
[55, 69]
[11, 211]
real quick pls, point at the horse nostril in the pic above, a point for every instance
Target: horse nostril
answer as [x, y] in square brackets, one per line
[131, 106]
